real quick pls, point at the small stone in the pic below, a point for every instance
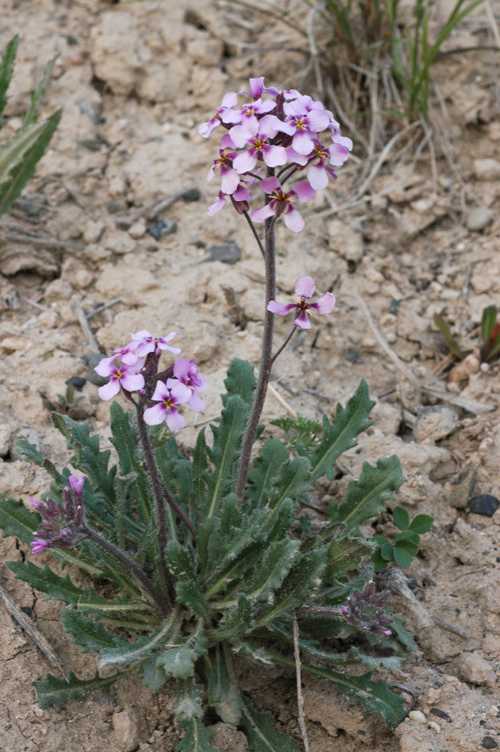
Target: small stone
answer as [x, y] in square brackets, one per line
[417, 716]
[345, 240]
[118, 242]
[489, 743]
[126, 728]
[434, 422]
[486, 169]
[465, 369]
[58, 290]
[92, 360]
[484, 504]
[193, 194]
[112, 207]
[478, 219]
[82, 278]
[138, 230]
[476, 670]
[76, 381]
[229, 253]
[5, 438]
[163, 227]
[434, 727]
[93, 231]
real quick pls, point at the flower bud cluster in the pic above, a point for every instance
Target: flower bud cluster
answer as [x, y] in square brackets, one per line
[134, 368]
[276, 129]
[62, 523]
[366, 610]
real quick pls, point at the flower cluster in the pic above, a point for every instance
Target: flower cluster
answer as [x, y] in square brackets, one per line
[61, 522]
[280, 131]
[366, 610]
[134, 368]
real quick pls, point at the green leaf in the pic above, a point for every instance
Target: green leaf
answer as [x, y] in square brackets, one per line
[293, 481]
[421, 523]
[297, 586]
[450, 341]
[197, 737]
[179, 662]
[344, 555]
[31, 114]
[47, 581]
[19, 157]
[89, 633]
[225, 451]
[264, 471]
[401, 518]
[190, 594]
[16, 520]
[378, 561]
[387, 552]
[237, 621]
[406, 545]
[57, 692]
[402, 557]
[274, 567]
[365, 498]
[154, 678]
[261, 736]
[188, 699]
[341, 435]
[31, 452]
[124, 439]
[7, 69]
[240, 381]
[143, 647]
[488, 322]
[222, 694]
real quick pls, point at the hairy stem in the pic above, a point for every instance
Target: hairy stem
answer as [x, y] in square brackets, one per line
[265, 359]
[129, 563]
[160, 516]
[255, 233]
[285, 343]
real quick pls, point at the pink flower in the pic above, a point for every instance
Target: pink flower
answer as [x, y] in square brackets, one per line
[229, 178]
[228, 102]
[166, 409]
[255, 135]
[304, 288]
[248, 113]
[145, 343]
[305, 119]
[186, 372]
[283, 203]
[126, 377]
[126, 354]
[240, 199]
[76, 484]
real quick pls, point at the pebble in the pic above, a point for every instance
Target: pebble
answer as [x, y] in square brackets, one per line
[93, 231]
[138, 230]
[92, 360]
[486, 169]
[489, 743]
[5, 438]
[192, 194]
[78, 382]
[478, 219]
[417, 716]
[229, 253]
[126, 729]
[434, 422]
[163, 227]
[476, 670]
[434, 727]
[484, 504]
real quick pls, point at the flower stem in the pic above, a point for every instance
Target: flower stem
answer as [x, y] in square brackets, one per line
[255, 233]
[285, 343]
[160, 515]
[129, 563]
[265, 359]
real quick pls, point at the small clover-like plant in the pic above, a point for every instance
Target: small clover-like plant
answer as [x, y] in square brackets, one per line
[300, 432]
[202, 549]
[405, 545]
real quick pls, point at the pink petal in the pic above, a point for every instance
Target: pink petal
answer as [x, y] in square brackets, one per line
[268, 126]
[274, 155]
[266, 106]
[229, 179]
[302, 321]
[304, 191]
[105, 367]
[270, 184]
[305, 287]
[196, 403]
[245, 162]
[231, 116]
[226, 142]
[161, 392]
[318, 120]
[241, 135]
[242, 194]
[230, 99]
[175, 421]
[294, 156]
[338, 155]
[343, 141]
[302, 142]
[216, 207]
[280, 309]
[257, 86]
[181, 393]
[318, 177]
[109, 390]
[155, 415]
[293, 220]
[259, 215]
[133, 382]
[325, 304]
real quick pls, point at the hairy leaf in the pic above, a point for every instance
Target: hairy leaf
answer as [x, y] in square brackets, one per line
[188, 699]
[237, 621]
[57, 692]
[365, 498]
[341, 435]
[31, 452]
[16, 520]
[7, 69]
[154, 678]
[292, 481]
[31, 114]
[272, 570]
[261, 736]
[143, 647]
[90, 634]
[264, 471]
[240, 380]
[47, 581]
[222, 694]
[197, 737]
[344, 555]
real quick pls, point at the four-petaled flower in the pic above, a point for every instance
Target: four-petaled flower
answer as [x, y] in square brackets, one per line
[283, 203]
[166, 409]
[304, 288]
[124, 376]
[145, 343]
[186, 372]
[62, 523]
[256, 136]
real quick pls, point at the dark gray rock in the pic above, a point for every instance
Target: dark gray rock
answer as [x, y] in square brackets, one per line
[162, 227]
[229, 253]
[489, 743]
[484, 504]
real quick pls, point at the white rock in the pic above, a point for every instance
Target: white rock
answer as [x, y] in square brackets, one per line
[93, 231]
[486, 169]
[476, 670]
[434, 422]
[344, 240]
[417, 716]
[126, 729]
[478, 219]
[138, 230]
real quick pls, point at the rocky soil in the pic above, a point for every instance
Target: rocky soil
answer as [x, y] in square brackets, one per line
[422, 238]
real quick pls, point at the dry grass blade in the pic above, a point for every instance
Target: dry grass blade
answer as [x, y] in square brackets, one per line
[27, 624]
[300, 696]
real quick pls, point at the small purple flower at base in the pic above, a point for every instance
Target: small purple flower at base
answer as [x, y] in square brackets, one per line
[186, 372]
[76, 484]
[166, 409]
[366, 610]
[283, 203]
[304, 288]
[240, 200]
[61, 523]
[123, 376]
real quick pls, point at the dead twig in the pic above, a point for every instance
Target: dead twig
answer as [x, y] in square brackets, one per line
[28, 239]
[82, 320]
[40, 306]
[154, 209]
[28, 626]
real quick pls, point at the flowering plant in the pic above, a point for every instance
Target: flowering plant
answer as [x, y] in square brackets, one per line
[208, 565]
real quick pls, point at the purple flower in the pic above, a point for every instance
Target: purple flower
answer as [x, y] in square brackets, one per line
[305, 119]
[247, 115]
[283, 203]
[366, 610]
[166, 409]
[126, 354]
[229, 178]
[228, 102]
[304, 288]
[145, 343]
[76, 485]
[240, 199]
[186, 372]
[61, 523]
[126, 377]
[255, 135]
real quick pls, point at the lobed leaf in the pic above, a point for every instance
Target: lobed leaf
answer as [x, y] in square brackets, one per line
[197, 737]
[344, 555]
[261, 736]
[132, 652]
[188, 702]
[57, 692]
[264, 471]
[222, 694]
[16, 520]
[90, 634]
[240, 380]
